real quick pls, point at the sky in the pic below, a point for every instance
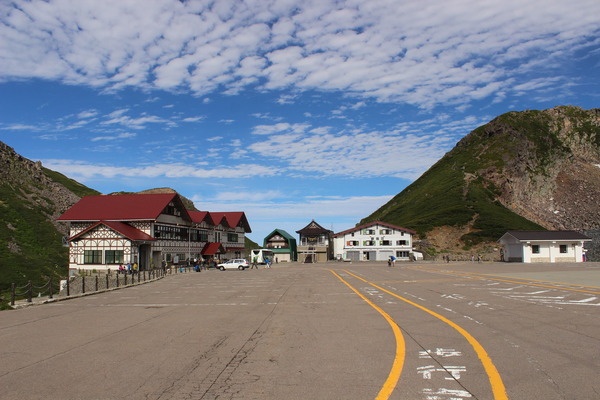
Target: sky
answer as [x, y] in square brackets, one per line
[287, 110]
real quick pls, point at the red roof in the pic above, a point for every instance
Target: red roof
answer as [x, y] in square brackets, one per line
[210, 249]
[123, 207]
[128, 231]
[231, 219]
[358, 228]
[201, 216]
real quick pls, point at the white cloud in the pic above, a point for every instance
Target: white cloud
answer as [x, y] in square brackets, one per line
[20, 127]
[194, 119]
[404, 152]
[84, 171]
[118, 118]
[414, 52]
[279, 127]
[87, 114]
[124, 135]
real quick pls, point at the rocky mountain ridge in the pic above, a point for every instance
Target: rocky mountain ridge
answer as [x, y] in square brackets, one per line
[522, 170]
[562, 191]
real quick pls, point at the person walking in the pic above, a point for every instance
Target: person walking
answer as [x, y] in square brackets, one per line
[254, 263]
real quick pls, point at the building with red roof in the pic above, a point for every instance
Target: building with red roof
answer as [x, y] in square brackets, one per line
[151, 230]
[374, 241]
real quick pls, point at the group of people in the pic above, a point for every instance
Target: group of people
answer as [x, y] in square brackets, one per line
[128, 269]
[200, 265]
[254, 264]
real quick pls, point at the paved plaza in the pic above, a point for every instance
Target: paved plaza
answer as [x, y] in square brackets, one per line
[320, 331]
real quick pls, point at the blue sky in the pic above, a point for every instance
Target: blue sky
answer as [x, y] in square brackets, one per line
[286, 110]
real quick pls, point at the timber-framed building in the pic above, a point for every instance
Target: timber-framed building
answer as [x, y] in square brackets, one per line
[151, 230]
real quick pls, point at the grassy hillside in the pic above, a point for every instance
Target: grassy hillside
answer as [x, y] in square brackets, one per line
[456, 191]
[74, 186]
[30, 244]
[442, 197]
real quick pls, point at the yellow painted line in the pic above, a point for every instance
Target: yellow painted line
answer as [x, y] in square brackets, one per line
[495, 379]
[396, 370]
[526, 281]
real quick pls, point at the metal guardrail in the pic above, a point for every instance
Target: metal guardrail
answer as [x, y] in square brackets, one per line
[87, 284]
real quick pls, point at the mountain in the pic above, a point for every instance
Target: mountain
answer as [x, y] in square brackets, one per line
[31, 198]
[522, 171]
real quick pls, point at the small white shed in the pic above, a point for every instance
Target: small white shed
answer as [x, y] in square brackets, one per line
[543, 246]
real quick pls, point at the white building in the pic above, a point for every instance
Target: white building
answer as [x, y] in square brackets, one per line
[543, 246]
[374, 241]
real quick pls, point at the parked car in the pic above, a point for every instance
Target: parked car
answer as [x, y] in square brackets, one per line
[235, 263]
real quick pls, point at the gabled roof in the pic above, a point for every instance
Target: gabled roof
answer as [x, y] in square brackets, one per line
[126, 230]
[281, 232]
[201, 216]
[122, 207]
[313, 229]
[369, 224]
[231, 219]
[210, 249]
[547, 235]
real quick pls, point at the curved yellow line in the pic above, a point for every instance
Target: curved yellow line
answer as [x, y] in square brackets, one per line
[396, 370]
[496, 383]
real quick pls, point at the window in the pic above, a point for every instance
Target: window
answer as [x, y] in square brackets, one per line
[535, 248]
[402, 254]
[232, 237]
[386, 242]
[369, 243]
[563, 249]
[92, 257]
[352, 243]
[113, 256]
[170, 232]
[386, 231]
[400, 242]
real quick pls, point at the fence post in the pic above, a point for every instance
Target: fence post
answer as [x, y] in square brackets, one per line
[68, 285]
[96, 283]
[125, 284]
[83, 284]
[12, 294]
[117, 280]
[50, 296]
[29, 292]
[107, 281]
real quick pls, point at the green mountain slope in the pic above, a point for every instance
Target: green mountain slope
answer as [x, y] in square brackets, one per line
[31, 198]
[507, 175]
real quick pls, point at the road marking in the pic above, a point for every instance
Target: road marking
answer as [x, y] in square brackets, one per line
[520, 281]
[496, 383]
[396, 370]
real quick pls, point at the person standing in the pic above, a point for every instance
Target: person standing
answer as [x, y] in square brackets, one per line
[254, 263]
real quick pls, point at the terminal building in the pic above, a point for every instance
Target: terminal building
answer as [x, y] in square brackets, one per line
[151, 230]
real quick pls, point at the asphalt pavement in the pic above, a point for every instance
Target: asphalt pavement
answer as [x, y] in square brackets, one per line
[319, 331]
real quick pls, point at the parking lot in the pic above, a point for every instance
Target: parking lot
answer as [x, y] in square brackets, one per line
[319, 331]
